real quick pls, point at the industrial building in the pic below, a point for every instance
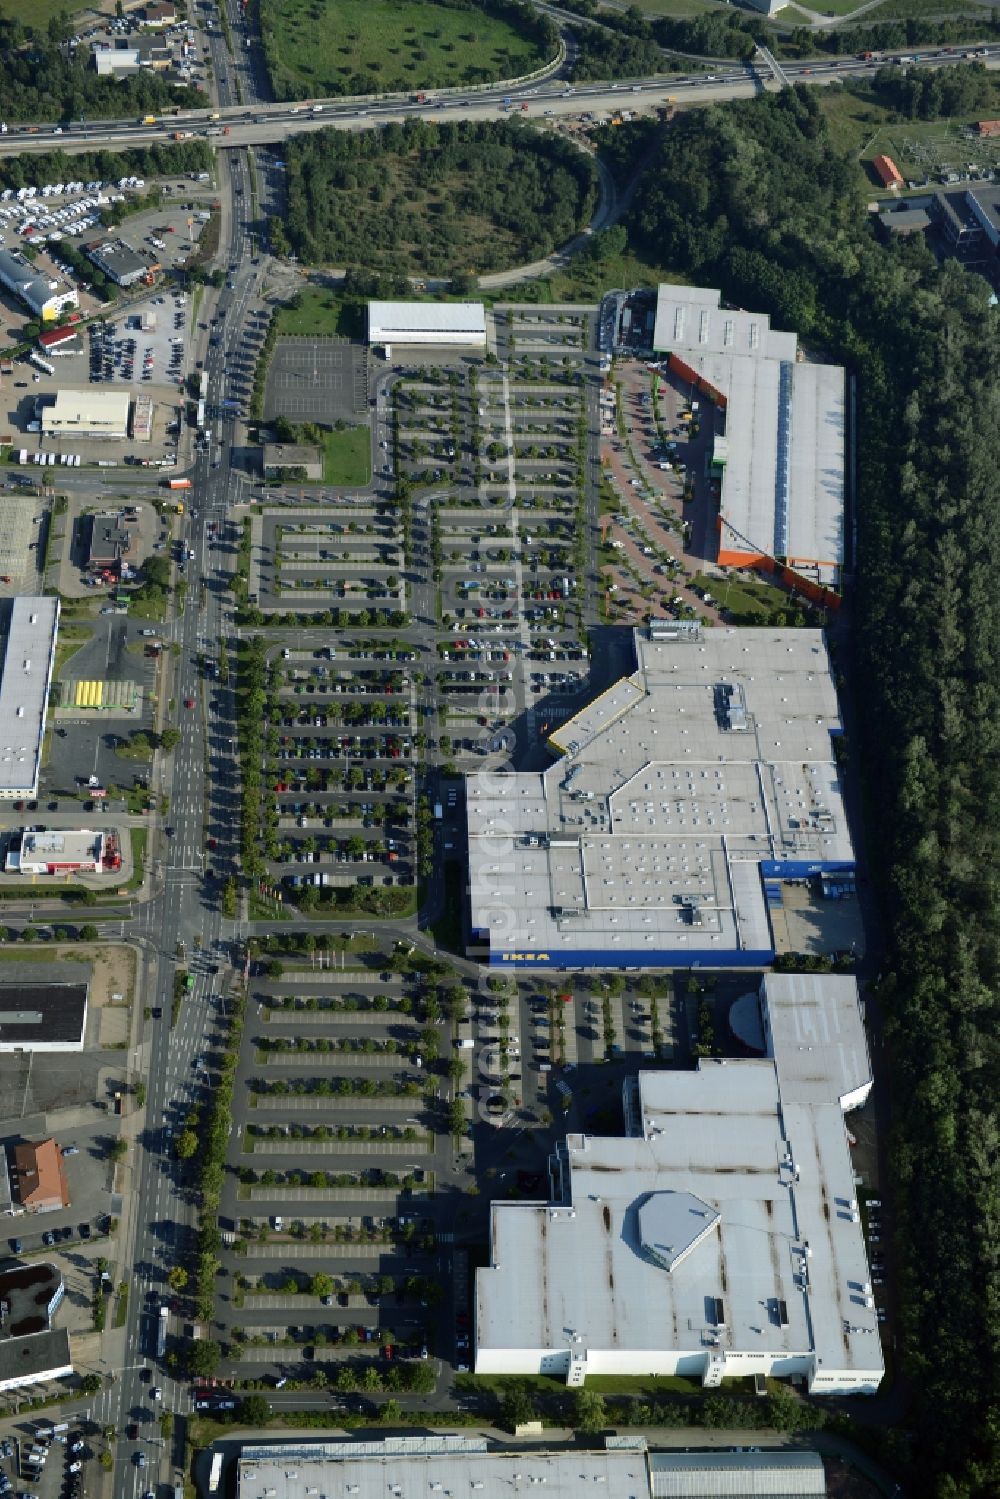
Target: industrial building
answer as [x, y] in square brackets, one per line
[87, 413]
[49, 1016]
[738, 1474]
[779, 443]
[455, 324]
[57, 851]
[42, 296]
[40, 1177]
[720, 1237]
[118, 261]
[29, 655]
[31, 1350]
[412, 1467]
[684, 795]
[119, 54]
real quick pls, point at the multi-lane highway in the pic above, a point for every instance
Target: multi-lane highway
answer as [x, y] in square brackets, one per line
[261, 123]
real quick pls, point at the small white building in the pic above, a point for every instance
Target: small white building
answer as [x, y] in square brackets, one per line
[57, 851]
[720, 1237]
[87, 413]
[452, 324]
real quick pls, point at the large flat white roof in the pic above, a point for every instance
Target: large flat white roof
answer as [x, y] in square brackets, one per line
[783, 479]
[416, 1467]
[24, 691]
[83, 411]
[725, 1226]
[677, 785]
[423, 322]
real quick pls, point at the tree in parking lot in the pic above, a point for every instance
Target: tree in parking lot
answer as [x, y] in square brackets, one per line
[255, 1410]
[203, 1357]
[321, 1285]
[177, 1278]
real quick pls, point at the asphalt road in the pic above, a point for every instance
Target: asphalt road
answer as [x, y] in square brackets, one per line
[259, 123]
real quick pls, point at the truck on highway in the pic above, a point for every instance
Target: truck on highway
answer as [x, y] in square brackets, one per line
[148, 120]
[161, 1332]
[177, 484]
[317, 109]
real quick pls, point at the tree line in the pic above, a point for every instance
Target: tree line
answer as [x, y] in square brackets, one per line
[732, 34]
[753, 198]
[44, 77]
[422, 196]
[177, 160]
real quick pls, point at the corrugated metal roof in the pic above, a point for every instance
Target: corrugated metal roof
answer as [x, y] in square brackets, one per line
[737, 1475]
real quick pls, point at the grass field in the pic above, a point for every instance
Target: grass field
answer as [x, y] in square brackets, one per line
[585, 280]
[37, 13]
[859, 127]
[376, 46]
[749, 603]
[347, 456]
[322, 314]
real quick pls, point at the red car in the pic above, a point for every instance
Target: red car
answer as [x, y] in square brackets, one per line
[189, 702]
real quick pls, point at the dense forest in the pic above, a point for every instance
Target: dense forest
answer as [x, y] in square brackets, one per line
[42, 78]
[945, 93]
[434, 198]
[753, 199]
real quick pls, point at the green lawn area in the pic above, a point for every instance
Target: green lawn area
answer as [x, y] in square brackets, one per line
[748, 603]
[377, 46]
[860, 127]
[263, 908]
[321, 313]
[37, 15]
[587, 280]
[347, 456]
[138, 838]
[71, 638]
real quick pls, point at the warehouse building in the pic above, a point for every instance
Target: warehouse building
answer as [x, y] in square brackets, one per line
[87, 413]
[412, 1467]
[58, 341]
[118, 261]
[737, 1475]
[685, 794]
[42, 297]
[31, 1350]
[779, 434]
[454, 324]
[44, 1016]
[29, 655]
[719, 1238]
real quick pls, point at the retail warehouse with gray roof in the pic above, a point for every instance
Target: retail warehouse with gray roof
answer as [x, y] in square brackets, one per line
[682, 797]
[721, 1237]
[28, 658]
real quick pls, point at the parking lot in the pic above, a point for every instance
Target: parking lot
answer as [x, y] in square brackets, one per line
[316, 380]
[336, 1223]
